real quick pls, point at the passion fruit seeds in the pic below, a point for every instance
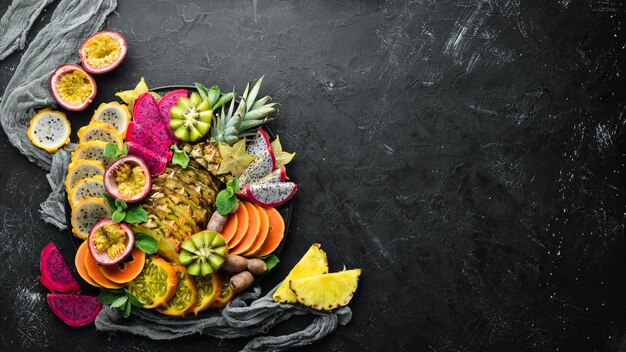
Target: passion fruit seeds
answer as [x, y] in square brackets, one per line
[110, 242]
[72, 87]
[128, 178]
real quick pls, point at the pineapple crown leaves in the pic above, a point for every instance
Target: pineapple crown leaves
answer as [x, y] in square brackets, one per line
[232, 125]
[214, 96]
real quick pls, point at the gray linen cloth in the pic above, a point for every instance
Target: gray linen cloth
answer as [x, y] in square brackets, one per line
[248, 314]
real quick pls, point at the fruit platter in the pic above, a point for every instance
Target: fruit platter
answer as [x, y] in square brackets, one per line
[177, 197]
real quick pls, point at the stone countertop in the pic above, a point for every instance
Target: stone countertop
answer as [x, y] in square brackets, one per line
[467, 155]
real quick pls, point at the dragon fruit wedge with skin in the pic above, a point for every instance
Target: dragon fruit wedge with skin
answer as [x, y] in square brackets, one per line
[156, 163]
[270, 194]
[166, 103]
[146, 113]
[260, 145]
[139, 136]
[276, 176]
[260, 167]
[55, 273]
[74, 309]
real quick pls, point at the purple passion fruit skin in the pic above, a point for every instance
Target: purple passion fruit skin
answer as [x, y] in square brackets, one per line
[129, 179]
[110, 242]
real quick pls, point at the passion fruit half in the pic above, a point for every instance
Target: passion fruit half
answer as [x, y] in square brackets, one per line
[109, 242]
[103, 52]
[128, 178]
[72, 87]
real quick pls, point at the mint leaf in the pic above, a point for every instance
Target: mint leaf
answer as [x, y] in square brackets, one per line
[214, 95]
[202, 90]
[119, 302]
[135, 215]
[180, 157]
[109, 296]
[126, 309]
[118, 215]
[112, 151]
[110, 201]
[146, 243]
[225, 201]
[121, 204]
[271, 261]
[233, 184]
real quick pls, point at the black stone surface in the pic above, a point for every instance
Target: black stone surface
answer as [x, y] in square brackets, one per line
[468, 155]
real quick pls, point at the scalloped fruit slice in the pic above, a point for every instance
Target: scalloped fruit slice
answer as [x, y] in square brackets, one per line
[93, 150]
[226, 293]
[203, 253]
[185, 297]
[209, 287]
[100, 131]
[128, 269]
[82, 169]
[275, 234]
[326, 291]
[156, 283]
[86, 213]
[242, 225]
[254, 226]
[262, 234]
[79, 261]
[93, 270]
[49, 130]
[314, 262]
[85, 188]
[114, 114]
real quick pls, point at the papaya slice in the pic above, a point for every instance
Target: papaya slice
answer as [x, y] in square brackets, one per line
[254, 226]
[93, 270]
[226, 293]
[156, 283]
[242, 225]
[275, 234]
[209, 287]
[127, 270]
[79, 261]
[230, 227]
[185, 297]
[263, 231]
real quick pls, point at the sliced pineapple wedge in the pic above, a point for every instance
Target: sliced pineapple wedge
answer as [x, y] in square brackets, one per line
[314, 262]
[326, 291]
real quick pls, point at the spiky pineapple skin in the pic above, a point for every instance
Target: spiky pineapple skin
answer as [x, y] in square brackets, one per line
[180, 204]
[207, 155]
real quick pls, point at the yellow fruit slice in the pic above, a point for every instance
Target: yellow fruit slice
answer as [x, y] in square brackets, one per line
[129, 96]
[314, 262]
[226, 293]
[113, 114]
[49, 130]
[100, 131]
[82, 169]
[87, 187]
[156, 283]
[326, 291]
[86, 213]
[185, 297]
[93, 150]
[209, 288]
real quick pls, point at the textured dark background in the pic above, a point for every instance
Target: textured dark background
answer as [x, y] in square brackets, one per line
[468, 155]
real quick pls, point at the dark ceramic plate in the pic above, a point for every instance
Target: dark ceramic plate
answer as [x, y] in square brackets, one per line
[285, 209]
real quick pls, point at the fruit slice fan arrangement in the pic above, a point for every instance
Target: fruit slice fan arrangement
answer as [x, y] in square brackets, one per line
[174, 198]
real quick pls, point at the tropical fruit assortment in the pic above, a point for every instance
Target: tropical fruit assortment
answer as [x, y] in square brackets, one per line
[174, 198]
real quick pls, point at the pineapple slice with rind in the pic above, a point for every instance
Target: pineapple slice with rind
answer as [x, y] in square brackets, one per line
[314, 262]
[326, 291]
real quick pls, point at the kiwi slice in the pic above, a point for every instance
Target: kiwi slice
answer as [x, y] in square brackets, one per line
[203, 253]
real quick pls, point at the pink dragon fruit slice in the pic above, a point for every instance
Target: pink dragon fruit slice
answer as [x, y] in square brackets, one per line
[139, 135]
[55, 273]
[74, 309]
[260, 145]
[165, 104]
[156, 162]
[271, 194]
[146, 113]
[260, 167]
